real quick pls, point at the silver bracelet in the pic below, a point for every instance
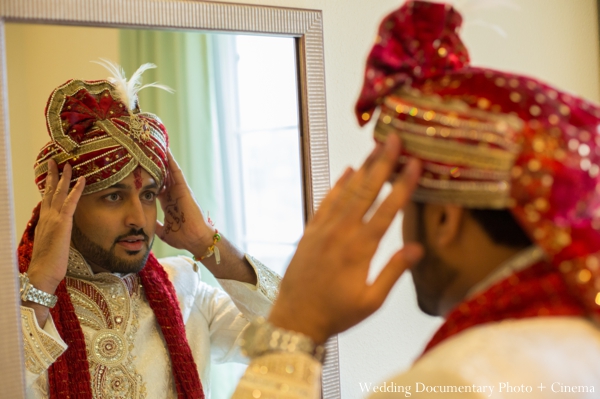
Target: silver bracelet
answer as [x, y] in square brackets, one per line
[262, 337]
[31, 294]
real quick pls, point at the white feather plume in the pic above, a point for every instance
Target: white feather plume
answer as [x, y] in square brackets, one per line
[127, 90]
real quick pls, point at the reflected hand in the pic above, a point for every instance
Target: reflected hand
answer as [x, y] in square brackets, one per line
[184, 226]
[50, 255]
[325, 289]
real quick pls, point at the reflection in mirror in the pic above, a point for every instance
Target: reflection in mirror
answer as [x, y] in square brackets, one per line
[233, 126]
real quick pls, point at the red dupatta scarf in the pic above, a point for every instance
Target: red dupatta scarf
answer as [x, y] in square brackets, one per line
[539, 290]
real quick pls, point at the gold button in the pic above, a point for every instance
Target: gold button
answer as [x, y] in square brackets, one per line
[534, 165]
[564, 109]
[535, 110]
[483, 103]
[429, 115]
[553, 119]
[592, 262]
[584, 276]
[566, 266]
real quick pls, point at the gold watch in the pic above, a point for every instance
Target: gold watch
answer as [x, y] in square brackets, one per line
[31, 294]
[262, 337]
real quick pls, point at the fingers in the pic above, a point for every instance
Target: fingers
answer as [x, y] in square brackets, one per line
[402, 190]
[325, 208]
[57, 193]
[62, 188]
[396, 266]
[70, 203]
[345, 187]
[51, 181]
[365, 185]
[175, 170]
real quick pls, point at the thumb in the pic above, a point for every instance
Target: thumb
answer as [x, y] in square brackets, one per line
[396, 266]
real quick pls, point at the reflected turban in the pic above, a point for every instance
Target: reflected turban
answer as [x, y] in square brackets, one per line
[97, 127]
[494, 140]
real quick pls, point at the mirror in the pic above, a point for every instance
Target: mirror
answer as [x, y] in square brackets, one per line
[246, 122]
[232, 122]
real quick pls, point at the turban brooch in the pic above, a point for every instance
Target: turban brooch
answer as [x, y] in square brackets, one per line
[98, 128]
[490, 139]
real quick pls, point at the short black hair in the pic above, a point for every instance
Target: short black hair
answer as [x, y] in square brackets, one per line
[499, 224]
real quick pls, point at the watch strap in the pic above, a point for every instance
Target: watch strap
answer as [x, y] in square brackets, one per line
[31, 294]
[262, 337]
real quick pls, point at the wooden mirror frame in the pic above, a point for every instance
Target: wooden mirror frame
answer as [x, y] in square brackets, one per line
[305, 26]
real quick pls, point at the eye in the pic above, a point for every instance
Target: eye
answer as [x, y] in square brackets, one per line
[114, 197]
[149, 196]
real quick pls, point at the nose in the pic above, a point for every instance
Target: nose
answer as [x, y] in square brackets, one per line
[135, 218]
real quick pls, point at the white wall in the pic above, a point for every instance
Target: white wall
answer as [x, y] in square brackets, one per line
[555, 40]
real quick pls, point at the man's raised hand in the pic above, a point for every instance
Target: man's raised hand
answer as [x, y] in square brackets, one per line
[184, 226]
[50, 254]
[325, 289]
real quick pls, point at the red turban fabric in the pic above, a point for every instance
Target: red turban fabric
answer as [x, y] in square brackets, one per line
[496, 140]
[94, 130]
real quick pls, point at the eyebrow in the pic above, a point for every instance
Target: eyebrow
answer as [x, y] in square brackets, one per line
[124, 186]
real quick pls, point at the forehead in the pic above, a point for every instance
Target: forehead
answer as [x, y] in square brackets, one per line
[131, 181]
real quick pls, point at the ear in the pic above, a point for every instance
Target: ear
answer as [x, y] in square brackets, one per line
[444, 222]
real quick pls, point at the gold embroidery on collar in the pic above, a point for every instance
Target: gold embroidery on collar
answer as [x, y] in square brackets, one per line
[107, 309]
[77, 266]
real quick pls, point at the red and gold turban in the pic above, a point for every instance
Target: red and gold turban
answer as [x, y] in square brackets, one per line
[97, 127]
[491, 139]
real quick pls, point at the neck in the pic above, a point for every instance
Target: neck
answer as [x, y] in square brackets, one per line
[500, 263]
[520, 261]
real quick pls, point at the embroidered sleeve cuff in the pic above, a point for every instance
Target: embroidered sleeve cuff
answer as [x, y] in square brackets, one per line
[268, 281]
[254, 300]
[282, 376]
[42, 346]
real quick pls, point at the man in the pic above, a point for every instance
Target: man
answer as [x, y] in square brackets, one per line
[101, 316]
[499, 184]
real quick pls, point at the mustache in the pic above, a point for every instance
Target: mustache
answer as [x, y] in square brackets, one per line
[133, 232]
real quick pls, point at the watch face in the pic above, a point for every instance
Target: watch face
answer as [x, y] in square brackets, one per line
[23, 280]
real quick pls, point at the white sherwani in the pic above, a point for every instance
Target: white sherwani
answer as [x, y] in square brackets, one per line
[534, 358]
[127, 354]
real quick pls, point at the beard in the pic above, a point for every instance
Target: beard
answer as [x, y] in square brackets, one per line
[431, 275]
[108, 259]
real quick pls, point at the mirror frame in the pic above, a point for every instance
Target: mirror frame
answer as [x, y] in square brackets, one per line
[305, 26]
